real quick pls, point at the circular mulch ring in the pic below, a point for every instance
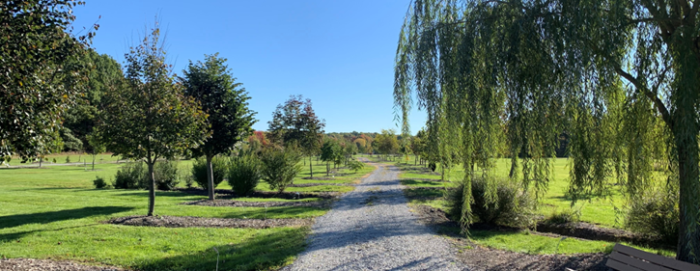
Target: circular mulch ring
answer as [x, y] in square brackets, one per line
[206, 222]
[49, 265]
[316, 184]
[238, 203]
[319, 178]
[227, 193]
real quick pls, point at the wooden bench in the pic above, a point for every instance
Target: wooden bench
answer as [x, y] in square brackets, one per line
[624, 258]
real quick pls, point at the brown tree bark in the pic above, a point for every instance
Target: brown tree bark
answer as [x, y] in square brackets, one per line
[210, 178]
[151, 188]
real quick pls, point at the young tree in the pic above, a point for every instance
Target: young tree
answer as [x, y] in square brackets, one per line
[97, 146]
[150, 118]
[225, 101]
[329, 153]
[295, 122]
[37, 84]
[607, 68]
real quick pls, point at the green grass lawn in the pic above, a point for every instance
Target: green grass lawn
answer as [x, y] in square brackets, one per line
[56, 213]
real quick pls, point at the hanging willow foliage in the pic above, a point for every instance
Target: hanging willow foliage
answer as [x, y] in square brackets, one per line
[620, 77]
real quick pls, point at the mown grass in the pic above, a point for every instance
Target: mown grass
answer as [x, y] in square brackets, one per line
[56, 213]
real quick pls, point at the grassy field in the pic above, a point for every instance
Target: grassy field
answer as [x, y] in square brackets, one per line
[56, 213]
[598, 211]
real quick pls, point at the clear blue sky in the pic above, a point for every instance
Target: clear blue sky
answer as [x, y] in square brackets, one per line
[340, 54]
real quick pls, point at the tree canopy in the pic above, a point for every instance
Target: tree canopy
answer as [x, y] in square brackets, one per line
[36, 83]
[518, 73]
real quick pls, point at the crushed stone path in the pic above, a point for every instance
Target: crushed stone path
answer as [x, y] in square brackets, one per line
[372, 228]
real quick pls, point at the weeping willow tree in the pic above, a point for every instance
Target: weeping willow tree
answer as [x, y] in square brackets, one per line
[613, 74]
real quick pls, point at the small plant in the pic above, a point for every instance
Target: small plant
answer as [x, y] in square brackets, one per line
[356, 165]
[280, 167]
[189, 180]
[199, 171]
[567, 216]
[100, 182]
[67, 159]
[130, 176]
[165, 175]
[244, 174]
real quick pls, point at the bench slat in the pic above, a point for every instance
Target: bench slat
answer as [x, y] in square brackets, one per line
[636, 262]
[612, 263]
[658, 259]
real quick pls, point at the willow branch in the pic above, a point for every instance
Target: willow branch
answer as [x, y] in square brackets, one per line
[642, 88]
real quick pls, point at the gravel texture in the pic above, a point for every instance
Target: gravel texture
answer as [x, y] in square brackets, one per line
[189, 221]
[372, 228]
[49, 265]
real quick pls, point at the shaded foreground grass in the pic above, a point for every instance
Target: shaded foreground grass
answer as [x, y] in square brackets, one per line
[56, 213]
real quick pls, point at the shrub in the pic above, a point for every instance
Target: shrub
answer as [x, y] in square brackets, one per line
[564, 217]
[67, 159]
[356, 165]
[280, 167]
[99, 182]
[135, 176]
[165, 175]
[130, 176]
[244, 174]
[511, 206]
[199, 171]
[655, 213]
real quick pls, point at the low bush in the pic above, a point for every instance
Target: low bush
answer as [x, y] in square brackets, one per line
[199, 171]
[135, 176]
[655, 213]
[280, 167]
[244, 174]
[130, 176]
[563, 217]
[509, 206]
[100, 182]
[166, 175]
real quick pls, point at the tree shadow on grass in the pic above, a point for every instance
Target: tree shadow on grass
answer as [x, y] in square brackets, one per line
[11, 221]
[268, 250]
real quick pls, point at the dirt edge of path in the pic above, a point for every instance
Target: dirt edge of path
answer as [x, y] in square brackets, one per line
[207, 222]
[22, 264]
[228, 194]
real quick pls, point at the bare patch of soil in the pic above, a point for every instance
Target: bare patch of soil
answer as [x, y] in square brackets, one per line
[237, 203]
[319, 178]
[189, 221]
[594, 232]
[228, 193]
[49, 265]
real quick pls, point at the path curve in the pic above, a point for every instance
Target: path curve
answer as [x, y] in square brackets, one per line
[372, 228]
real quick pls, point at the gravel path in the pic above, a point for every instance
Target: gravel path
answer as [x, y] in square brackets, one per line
[372, 228]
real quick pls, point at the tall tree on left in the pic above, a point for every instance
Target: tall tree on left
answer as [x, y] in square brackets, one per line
[36, 84]
[150, 118]
[225, 101]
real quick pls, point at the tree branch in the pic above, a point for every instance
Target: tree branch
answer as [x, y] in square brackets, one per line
[657, 102]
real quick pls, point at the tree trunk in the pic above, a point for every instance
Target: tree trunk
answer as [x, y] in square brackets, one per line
[328, 169]
[512, 170]
[93, 162]
[311, 167]
[151, 189]
[688, 248]
[210, 178]
[41, 159]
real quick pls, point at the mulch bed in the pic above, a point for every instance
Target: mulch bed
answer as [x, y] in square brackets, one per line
[49, 265]
[237, 203]
[228, 193]
[593, 232]
[316, 184]
[319, 178]
[189, 221]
